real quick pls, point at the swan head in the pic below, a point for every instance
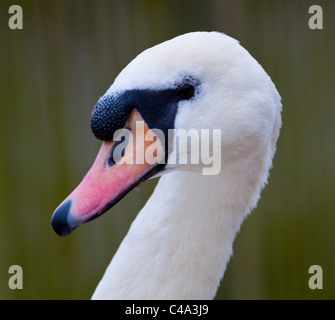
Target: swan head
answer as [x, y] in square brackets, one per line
[194, 82]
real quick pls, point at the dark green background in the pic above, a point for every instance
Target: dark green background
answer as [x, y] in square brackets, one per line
[67, 55]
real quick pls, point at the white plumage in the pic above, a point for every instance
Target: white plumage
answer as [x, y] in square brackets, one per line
[181, 241]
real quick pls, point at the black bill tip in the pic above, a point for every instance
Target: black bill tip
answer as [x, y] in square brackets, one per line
[59, 220]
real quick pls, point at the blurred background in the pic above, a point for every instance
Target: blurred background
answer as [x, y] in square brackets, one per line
[67, 55]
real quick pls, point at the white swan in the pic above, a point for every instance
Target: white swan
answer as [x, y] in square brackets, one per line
[181, 241]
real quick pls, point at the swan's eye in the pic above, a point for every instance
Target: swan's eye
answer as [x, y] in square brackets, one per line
[185, 91]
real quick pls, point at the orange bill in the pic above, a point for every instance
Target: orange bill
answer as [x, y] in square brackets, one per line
[118, 168]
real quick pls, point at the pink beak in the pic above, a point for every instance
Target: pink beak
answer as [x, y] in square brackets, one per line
[107, 182]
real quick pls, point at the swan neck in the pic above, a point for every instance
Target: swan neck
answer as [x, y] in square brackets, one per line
[180, 243]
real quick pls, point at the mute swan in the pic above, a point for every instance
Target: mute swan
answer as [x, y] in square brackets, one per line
[181, 241]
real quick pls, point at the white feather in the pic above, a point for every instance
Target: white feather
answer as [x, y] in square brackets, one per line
[181, 241]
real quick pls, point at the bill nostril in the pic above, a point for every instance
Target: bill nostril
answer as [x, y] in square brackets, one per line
[118, 152]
